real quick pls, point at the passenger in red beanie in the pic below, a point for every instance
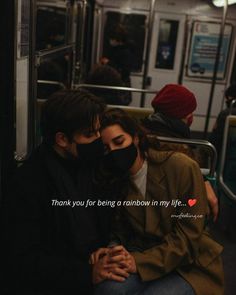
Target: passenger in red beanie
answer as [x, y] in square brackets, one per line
[175, 101]
[173, 114]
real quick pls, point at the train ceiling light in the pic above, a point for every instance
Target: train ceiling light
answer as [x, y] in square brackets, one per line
[221, 3]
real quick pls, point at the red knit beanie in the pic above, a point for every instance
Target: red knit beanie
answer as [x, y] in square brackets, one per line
[174, 101]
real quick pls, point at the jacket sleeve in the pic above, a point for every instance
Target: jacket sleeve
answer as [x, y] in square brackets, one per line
[216, 137]
[181, 245]
[28, 261]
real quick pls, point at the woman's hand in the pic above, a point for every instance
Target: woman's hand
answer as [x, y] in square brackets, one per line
[212, 200]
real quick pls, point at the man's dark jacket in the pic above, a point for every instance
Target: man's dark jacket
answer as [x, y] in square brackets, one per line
[47, 247]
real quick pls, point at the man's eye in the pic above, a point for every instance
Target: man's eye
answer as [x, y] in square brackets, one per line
[119, 141]
[88, 134]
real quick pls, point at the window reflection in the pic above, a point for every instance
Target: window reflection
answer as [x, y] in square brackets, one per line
[167, 40]
[134, 24]
[51, 27]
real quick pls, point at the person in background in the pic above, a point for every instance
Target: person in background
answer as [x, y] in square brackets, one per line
[48, 232]
[119, 55]
[173, 115]
[106, 75]
[165, 249]
[216, 137]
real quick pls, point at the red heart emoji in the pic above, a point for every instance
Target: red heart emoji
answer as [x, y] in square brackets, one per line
[192, 202]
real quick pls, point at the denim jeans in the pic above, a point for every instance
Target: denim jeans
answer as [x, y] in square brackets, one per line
[171, 284]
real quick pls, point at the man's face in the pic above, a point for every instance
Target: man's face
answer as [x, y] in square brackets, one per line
[83, 137]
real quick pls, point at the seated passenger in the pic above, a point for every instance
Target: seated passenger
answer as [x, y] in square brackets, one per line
[48, 239]
[216, 137]
[173, 115]
[106, 75]
[163, 243]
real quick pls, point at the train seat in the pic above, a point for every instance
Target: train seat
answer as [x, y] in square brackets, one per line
[135, 112]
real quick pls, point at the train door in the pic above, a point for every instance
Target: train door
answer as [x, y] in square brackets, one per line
[166, 51]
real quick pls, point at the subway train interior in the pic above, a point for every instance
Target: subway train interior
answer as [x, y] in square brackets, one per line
[49, 45]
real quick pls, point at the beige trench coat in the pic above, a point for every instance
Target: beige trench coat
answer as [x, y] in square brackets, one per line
[166, 238]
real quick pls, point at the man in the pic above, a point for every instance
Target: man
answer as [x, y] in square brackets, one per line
[51, 221]
[216, 137]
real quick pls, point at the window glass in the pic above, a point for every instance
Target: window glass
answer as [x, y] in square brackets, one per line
[134, 25]
[51, 27]
[168, 32]
[233, 75]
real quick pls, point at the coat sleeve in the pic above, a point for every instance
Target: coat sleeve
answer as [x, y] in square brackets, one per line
[216, 137]
[181, 245]
[28, 261]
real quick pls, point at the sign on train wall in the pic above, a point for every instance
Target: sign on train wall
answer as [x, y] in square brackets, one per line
[204, 43]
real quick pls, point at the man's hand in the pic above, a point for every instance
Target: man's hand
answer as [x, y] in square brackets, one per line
[119, 255]
[95, 256]
[101, 271]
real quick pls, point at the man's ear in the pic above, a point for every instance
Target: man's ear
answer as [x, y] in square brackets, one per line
[61, 139]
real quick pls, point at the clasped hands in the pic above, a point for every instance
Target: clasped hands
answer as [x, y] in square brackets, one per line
[114, 263]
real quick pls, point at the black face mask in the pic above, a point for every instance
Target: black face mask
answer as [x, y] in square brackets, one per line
[90, 152]
[121, 160]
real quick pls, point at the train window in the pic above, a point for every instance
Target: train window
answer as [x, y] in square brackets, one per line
[230, 160]
[51, 28]
[233, 75]
[134, 25]
[165, 56]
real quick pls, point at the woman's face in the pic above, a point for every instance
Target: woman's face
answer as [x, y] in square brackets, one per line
[114, 138]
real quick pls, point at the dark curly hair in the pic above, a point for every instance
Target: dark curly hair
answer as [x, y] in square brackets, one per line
[69, 111]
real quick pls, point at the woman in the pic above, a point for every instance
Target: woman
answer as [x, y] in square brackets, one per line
[165, 248]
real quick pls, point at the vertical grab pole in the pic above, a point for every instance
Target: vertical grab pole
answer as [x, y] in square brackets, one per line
[32, 78]
[148, 47]
[225, 9]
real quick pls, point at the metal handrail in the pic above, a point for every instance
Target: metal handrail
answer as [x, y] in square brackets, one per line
[52, 83]
[225, 188]
[116, 88]
[198, 142]
[46, 52]
[231, 106]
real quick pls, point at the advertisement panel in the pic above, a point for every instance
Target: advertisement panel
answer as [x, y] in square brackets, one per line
[202, 54]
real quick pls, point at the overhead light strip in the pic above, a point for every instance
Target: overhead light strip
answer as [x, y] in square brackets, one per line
[221, 3]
